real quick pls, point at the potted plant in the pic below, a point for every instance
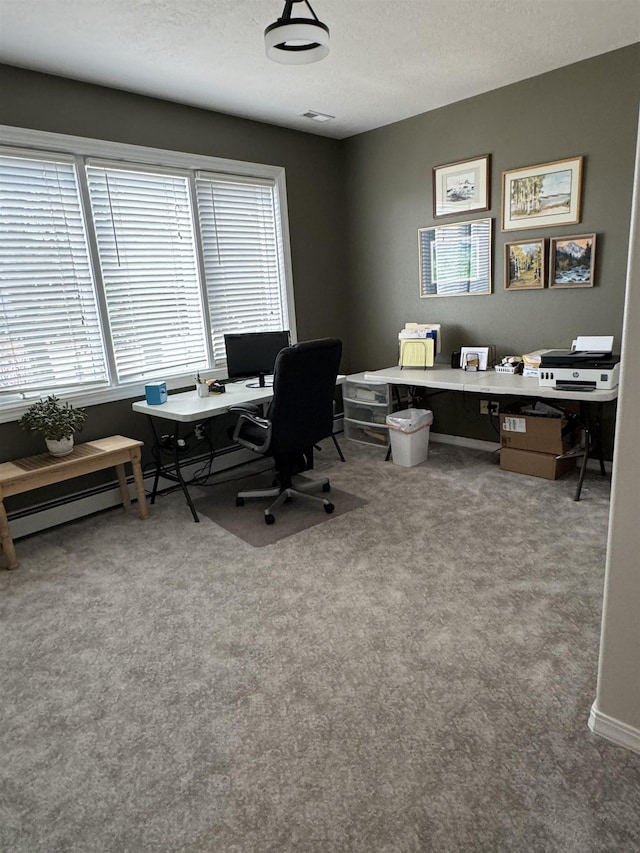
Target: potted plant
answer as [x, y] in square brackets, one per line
[56, 421]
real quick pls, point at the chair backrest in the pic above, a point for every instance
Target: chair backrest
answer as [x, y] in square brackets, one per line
[304, 381]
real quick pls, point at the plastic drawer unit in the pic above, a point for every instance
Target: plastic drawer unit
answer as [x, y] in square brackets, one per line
[366, 406]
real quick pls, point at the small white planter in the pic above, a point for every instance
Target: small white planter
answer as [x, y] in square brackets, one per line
[60, 448]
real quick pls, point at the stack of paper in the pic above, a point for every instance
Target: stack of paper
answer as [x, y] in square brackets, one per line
[593, 343]
[531, 362]
[423, 330]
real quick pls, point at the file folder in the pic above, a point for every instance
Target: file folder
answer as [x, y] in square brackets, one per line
[416, 352]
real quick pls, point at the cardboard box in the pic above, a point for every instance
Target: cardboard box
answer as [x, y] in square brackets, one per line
[544, 465]
[539, 434]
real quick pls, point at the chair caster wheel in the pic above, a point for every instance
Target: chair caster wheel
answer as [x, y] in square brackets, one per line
[239, 501]
[329, 508]
[326, 487]
[269, 519]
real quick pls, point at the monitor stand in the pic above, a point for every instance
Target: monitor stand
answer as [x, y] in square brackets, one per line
[260, 383]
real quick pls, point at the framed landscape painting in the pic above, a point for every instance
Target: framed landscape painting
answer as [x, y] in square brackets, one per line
[541, 196]
[461, 187]
[524, 265]
[572, 261]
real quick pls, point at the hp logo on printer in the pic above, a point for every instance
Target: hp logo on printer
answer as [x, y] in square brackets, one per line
[575, 374]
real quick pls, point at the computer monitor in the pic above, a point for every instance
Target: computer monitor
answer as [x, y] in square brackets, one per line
[254, 354]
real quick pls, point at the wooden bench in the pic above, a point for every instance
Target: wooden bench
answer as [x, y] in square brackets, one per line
[32, 472]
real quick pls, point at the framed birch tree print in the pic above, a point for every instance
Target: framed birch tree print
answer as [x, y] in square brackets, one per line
[542, 196]
[524, 265]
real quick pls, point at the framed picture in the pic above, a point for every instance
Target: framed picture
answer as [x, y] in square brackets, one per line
[572, 261]
[455, 259]
[540, 196]
[461, 187]
[524, 265]
[474, 358]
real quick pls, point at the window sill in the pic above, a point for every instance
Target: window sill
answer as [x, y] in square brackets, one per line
[14, 409]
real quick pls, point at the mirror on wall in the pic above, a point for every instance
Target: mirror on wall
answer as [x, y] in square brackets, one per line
[455, 259]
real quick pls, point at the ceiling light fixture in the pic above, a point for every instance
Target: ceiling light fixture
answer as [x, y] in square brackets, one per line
[296, 41]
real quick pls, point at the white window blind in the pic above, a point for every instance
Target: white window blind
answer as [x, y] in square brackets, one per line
[243, 258]
[144, 231]
[50, 334]
[102, 265]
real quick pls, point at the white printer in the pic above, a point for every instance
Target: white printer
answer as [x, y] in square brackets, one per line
[589, 365]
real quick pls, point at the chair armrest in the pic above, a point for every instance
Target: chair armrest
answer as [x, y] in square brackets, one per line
[247, 408]
[252, 431]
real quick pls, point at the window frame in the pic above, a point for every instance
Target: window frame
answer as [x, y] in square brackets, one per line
[83, 150]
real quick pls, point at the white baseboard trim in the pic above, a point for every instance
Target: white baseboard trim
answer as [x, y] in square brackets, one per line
[614, 730]
[50, 514]
[461, 441]
[490, 446]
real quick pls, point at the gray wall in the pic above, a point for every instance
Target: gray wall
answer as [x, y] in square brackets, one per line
[355, 208]
[588, 109]
[315, 196]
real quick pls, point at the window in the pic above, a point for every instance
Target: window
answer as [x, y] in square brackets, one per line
[149, 271]
[50, 335]
[121, 264]
[242, 257]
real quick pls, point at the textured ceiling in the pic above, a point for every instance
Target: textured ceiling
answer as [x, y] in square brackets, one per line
[389, 59]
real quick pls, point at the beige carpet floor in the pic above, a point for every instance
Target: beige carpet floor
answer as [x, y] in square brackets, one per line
[413, 676]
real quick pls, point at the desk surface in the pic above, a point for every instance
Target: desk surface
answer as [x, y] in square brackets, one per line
[187, 407]
[481, 382]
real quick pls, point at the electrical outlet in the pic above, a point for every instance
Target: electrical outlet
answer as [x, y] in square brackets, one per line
[489, 407]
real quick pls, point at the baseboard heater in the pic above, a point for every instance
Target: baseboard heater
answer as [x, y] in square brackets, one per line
[56, 511]
[71, 507]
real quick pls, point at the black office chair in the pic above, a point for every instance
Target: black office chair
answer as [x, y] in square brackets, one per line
[299, 416]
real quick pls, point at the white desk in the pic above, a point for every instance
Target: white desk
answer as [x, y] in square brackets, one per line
[188, 408]
[481, 382]
[442, 378]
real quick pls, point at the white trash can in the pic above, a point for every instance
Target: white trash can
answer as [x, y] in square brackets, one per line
[409, 435]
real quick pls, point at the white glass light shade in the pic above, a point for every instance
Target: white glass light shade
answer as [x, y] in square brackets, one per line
[297, 42]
